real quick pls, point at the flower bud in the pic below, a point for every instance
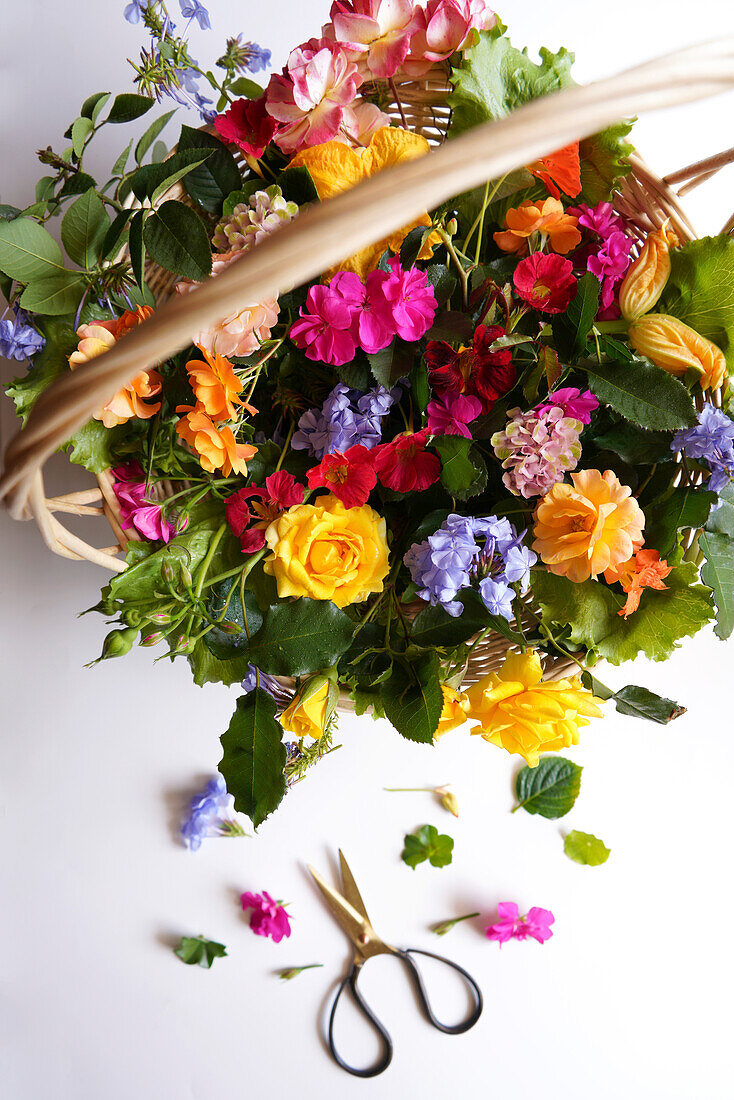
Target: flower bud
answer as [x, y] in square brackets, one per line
[119, 642]
[228, 627]
[452, 227]
[184, 644]
[167, 571]
[186, 576]
[677, 348]
[160, 617]
[153, 639]
[646, 277]
[449, 801]
[312, 708]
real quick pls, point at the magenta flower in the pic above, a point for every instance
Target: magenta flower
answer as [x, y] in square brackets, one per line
[511, 926]
[136, 512]
[600, 219]
[450, 413]
[325, 327]
[577, 405]
[412, 300]
[268, 917]
[371, 313]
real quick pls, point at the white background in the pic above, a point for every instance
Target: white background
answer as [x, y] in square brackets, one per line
[630, 998]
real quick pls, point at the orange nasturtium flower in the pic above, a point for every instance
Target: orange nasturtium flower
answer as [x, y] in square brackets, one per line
[97, 338]
[644, 570]
[214, 446]
[336, 167]
[215, 386]
[560, 171]
[547, 217]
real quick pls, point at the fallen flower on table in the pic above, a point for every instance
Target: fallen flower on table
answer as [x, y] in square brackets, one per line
[427, 844]
[268, 917]
[585, 848]
[511, 926]
[197, 950]
[446, 797]
[445, 926]
[207, 815]
[294, 971]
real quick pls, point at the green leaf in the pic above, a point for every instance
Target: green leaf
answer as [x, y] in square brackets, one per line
[80, 130]
[254, 757]
[636, 446]
[176, 238]
[48, 364]
[211, 182]
[585, 848]
[8, 212]
[77, 184]
[119, 166]
[300, 637]
[604, 162]
[684, 508]
[198, 951]
[722, 518]
[298, 186]
[136, 247]
[700, 290]
[392, 363]
[129, 106]
[243, 86]
[53, 295]
[208, 668]
[638, 702]
[93, 104]
[442, 281]
[427, 843]
[93, 446]
[28, 251]
[434, 627]
[718, 573]
[591, 611]
[241, 195]
[463, 470]
[571, 329]
[249, 620]
[159, 152]
[413, 699]
[112, 242]
[151, 134]
[83, 229]
[642, 393]
[551, 789]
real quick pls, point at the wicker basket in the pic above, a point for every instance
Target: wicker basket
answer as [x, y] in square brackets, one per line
[324, 234]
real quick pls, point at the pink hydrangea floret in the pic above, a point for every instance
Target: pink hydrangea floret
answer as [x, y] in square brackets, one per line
[136, 512]
[376, 34]
[511, 926]
[536, 450]
[268, 917]
[574, 403]
[450, 413]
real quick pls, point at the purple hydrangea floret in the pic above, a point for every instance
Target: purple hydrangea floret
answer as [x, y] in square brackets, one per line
[346, 418]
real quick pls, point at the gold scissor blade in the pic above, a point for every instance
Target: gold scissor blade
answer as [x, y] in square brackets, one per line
[354, 924]
[349, 886]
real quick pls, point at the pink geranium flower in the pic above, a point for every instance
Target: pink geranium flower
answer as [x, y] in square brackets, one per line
[312, 98]
[574, 403]
[412, 300]
[444, 27]
[325, 327]
[545, 281]
[247, 124]
[135, 511]
[405, 465]
[450, 413]
[268, 917]
[511, 926]
[371, 313]
[374, 33]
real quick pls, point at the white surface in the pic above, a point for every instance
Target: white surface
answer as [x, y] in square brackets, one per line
[630, 997]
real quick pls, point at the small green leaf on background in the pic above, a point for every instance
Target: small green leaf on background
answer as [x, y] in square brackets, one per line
[718, 573]
[199, 951]
[585, 848]
[129, 106]
[639, 702]
[427, 844]
[28, 251]
[254, 757]
[550, 789]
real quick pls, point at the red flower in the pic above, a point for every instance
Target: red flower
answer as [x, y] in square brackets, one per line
[249, 524]
[349, 475]
[560, 170]
[405, 465]
[247, 125]
[475, 371]
[546, 281]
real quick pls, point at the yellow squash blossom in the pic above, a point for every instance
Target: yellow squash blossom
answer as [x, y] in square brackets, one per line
[335, 167]
[587, 527]
[327, 551]
[677, 348]
[521, 713]
[646, 277]
[453, 714]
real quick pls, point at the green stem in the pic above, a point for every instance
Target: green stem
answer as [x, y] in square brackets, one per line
[463, 278]
[285, 447]
[208, 559]
[488, 198]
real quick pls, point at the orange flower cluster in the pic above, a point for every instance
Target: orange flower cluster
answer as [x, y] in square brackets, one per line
[644, 570]
[216, 388]
[547, 218]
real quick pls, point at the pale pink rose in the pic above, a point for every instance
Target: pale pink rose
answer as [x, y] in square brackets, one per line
[375, 33]
[242, 332]
[312, 98]
[369, 119]
[445, 26]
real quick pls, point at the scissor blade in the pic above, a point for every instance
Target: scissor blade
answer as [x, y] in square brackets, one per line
[353, 923]
[349, 886]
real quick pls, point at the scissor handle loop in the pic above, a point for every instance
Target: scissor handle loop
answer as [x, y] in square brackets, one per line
[448, 1029]
[387, 1048]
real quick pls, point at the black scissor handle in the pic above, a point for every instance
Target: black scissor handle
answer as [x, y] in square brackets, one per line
[387, 1049]
[448, 1029]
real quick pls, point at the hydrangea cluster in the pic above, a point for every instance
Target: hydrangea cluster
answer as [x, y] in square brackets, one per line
[466, 551]
[19, 340]
[207, 814]
[710, 441]
[536, 449]
[347, 417]
[252, 221]
[607, 252]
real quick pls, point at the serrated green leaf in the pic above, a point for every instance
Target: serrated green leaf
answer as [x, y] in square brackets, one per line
[298, 186]
[718, 573]
[639, 702]
[48, 364]
[112, 242]
[636, 446]
[254, 757]
[151, 134]
[128, 106]
[642, 393]
[603, 159]
[700, 290]
[463, 470]
[217, 177]
[198, 951]
[176, 238]
[413, 699]
[28, 251]
[300, 637]
[53, 295]
[93, 446]
[80, 130]
[722, 518]
[585, 848]
[686, 507]
[83, 229]
[427, 843]
[550, 789]
[249, 619]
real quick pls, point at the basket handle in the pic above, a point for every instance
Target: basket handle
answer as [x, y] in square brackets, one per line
[327, 232]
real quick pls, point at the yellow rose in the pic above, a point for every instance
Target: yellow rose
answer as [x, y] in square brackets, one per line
[455, 706]
[521, 713]
[676, 348]
[306, 716]
[327, 551]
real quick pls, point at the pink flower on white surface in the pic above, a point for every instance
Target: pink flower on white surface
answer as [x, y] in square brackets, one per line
[444, 27]
[241, 332]
[511, 926]
[268, 917]
[412, 300]
[312, 98]
[450, 413]
[375, 33]
[136, 512]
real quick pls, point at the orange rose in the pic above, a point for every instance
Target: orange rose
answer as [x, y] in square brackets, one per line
[215, 385]
[585, 528]
[215, 447]
[547, 218]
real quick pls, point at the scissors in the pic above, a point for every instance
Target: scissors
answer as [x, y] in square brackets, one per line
[350, 913]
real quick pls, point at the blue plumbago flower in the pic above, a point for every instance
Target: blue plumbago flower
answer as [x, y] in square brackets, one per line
[244, 57]
[347, 417]
[464, 549]
[207, 815]
[255, 678]
[710, 441]
[134, 11]
[19, 340]
[192, 9]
